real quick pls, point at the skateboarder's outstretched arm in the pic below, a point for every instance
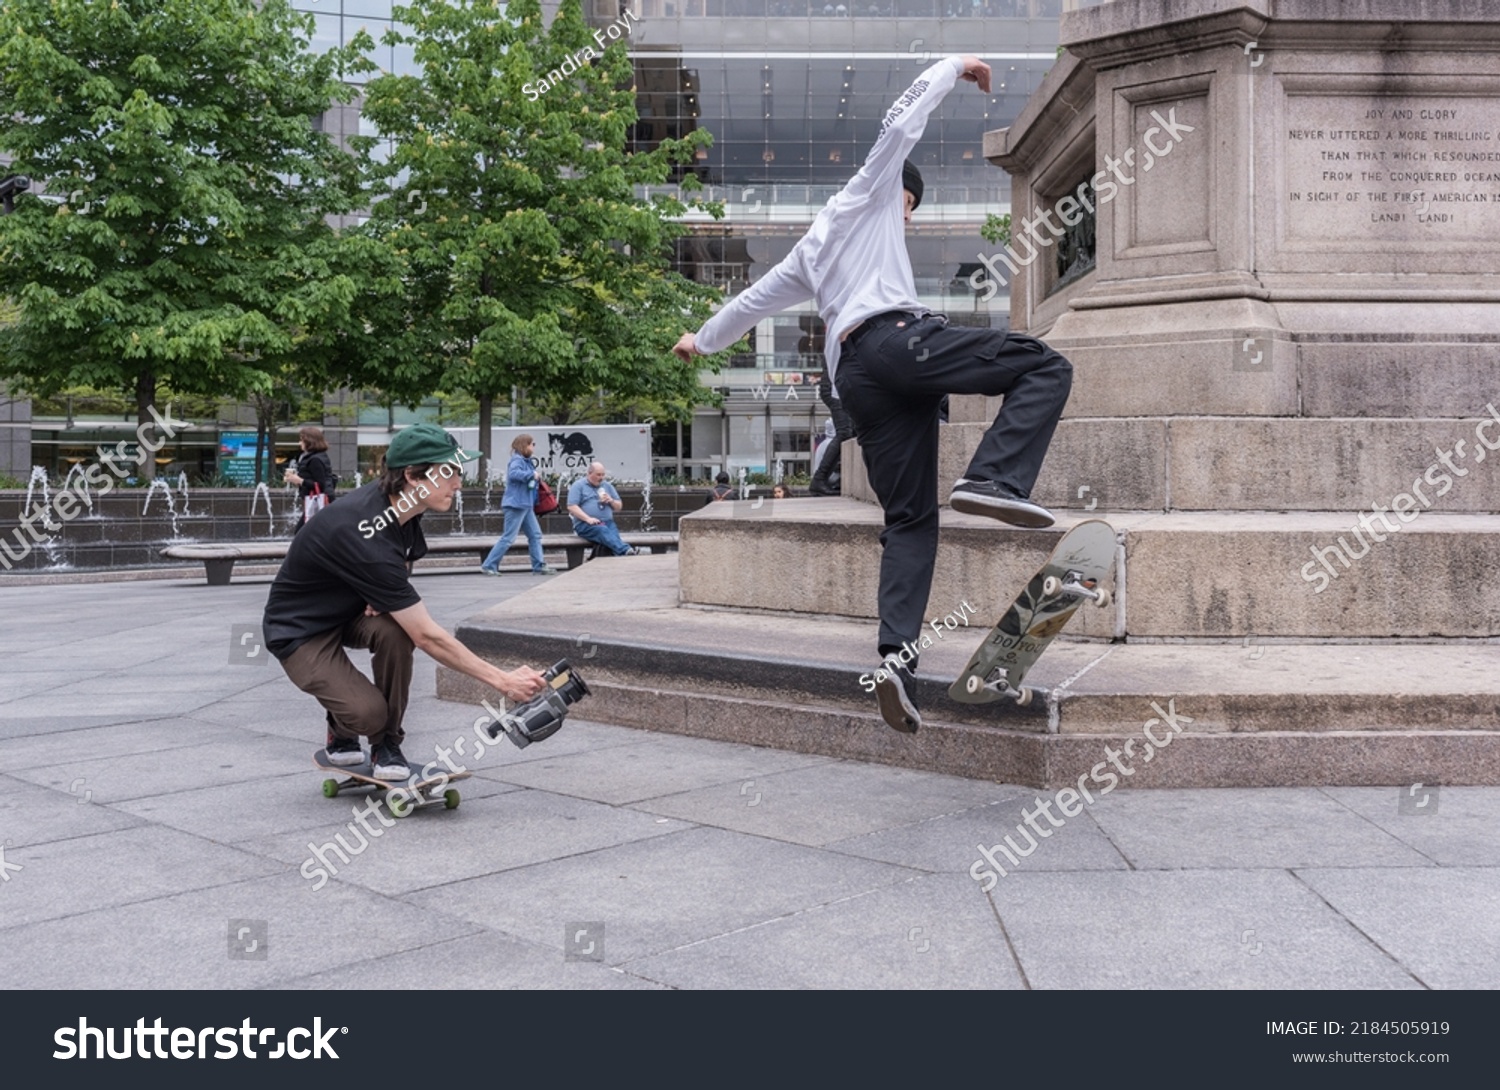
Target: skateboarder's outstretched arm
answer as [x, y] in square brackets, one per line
[875, 189]
[879, 179]
[784, 287]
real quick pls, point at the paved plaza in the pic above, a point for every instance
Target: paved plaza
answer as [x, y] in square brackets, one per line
[158, 814]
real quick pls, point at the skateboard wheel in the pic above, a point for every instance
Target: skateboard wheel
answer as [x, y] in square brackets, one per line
[973, 685]
[330, 788]
[1104, 599]
[398, 809]
[1051, 585]
[450, 799]
[1023, 697]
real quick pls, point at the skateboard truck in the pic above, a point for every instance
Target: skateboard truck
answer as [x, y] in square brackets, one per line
[998, 682]
[542, 715]
[1071, 587]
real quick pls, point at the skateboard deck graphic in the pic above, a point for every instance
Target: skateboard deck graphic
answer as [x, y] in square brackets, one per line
[1072, 575]
[418, 791]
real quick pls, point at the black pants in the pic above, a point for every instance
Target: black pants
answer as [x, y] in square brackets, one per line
[892, 376]
[843, 425]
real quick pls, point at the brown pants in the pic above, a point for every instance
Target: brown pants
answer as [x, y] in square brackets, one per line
[355, 706]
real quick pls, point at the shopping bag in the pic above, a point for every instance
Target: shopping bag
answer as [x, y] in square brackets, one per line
[313, 503]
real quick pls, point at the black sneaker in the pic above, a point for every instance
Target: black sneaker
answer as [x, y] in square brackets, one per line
[824, 486]
[389, 762]
[998, 501]
[895, 690]
[343, 751]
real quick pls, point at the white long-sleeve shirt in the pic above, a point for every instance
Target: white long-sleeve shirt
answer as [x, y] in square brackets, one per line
[852, 262]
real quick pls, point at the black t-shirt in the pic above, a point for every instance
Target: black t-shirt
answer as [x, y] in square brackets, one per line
[353, 554]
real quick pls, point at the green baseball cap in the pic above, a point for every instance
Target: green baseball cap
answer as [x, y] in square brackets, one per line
[422, 444]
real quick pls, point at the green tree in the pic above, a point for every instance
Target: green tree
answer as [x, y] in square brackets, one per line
[528, 259]
[181, 240]
[996, 229]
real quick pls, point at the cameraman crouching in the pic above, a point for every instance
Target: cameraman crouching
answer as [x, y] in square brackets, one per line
[346, 582]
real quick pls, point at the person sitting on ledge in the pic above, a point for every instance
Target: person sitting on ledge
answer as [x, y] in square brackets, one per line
[593, 501]
[346, 582]
[721, 490]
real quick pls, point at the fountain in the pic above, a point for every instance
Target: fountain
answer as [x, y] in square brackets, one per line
[294, 508]
[744, 485]
[780, 472]
[55, 562]
[39, 476]
[157, 484]
[182, 490]
[79, 487]
[263, 489]
[646, 506]
[491, 475]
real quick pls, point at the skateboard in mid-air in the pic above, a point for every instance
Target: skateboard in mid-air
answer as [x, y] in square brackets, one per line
[1072, 574]
[417, 790]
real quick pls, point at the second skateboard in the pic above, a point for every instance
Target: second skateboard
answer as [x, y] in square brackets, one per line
[1072, 575]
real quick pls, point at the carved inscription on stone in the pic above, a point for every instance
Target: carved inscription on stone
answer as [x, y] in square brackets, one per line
[1417, 167]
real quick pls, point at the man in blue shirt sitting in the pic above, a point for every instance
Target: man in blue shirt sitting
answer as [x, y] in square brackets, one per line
[593, 501]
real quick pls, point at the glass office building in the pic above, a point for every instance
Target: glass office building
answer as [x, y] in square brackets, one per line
[794, 92]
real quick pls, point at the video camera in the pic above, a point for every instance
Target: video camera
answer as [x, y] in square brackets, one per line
[542, 715]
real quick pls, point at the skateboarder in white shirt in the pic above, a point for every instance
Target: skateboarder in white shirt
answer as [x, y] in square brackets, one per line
[892, 361]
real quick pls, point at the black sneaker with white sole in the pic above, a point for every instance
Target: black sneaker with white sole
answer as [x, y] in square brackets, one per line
[389, 763]
[998, 501]
[343, 751]
[895, 692]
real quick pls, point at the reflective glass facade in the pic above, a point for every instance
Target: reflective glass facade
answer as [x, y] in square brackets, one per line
[793, 92]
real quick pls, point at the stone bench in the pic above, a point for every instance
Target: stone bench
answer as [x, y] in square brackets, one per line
[219, 559]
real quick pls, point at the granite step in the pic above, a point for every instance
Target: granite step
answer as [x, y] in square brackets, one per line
[1257, 713]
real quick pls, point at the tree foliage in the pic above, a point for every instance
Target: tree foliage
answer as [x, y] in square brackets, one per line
[527, 258]
[181, 236]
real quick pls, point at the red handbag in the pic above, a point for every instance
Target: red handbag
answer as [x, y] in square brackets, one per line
[546, 499]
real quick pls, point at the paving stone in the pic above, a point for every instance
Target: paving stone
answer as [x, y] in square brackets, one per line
[662, 893]
[1185, 929]
[830, 801]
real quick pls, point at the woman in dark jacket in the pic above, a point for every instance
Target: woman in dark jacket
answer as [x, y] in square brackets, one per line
[311, 470]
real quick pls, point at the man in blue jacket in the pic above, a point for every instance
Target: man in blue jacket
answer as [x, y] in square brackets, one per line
[892, 361]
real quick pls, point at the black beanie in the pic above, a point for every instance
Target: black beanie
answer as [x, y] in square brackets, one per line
[911, 178]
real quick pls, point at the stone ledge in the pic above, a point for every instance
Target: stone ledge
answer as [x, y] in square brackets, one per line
[1210, 574]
